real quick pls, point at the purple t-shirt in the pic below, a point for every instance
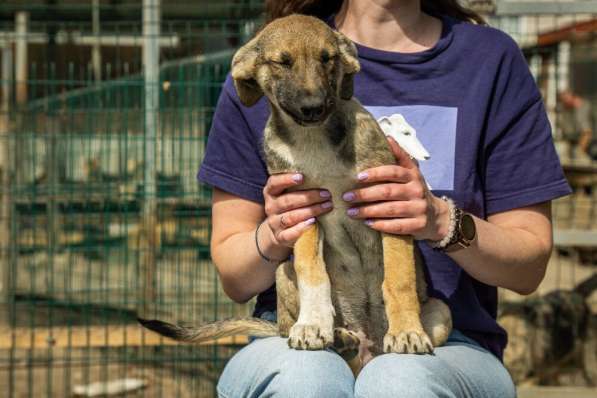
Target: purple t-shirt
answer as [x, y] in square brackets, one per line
[476, 110]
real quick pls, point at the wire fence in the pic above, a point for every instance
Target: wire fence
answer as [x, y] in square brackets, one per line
[79, 255]
[80, 259]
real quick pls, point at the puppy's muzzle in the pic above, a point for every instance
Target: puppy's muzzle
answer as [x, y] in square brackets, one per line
[312, 109]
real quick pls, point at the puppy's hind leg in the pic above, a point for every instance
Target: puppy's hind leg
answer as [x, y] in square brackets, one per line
[347, 344]
[314, 327]
[437, 321]
[287, 297]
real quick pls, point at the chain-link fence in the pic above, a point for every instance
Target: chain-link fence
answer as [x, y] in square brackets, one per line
[102, 217]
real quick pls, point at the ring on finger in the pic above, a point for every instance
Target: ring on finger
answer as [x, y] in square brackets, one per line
[282, 222]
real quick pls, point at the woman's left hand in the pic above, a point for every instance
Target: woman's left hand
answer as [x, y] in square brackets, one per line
[397, 201]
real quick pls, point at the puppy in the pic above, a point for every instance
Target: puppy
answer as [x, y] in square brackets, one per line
[350, 287]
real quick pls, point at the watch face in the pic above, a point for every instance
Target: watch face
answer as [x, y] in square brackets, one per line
[468, 227]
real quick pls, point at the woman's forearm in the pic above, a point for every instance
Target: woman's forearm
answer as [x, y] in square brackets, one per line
[511, 250]
[243, 272]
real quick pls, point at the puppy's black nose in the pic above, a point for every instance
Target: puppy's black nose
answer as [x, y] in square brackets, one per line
[312, 112]
[311, 106]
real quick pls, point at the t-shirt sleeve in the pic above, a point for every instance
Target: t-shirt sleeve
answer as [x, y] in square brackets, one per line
[233, 161]
[521, 165]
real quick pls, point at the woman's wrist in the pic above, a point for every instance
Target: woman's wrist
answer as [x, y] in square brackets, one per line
[441, 224]
[267, 245]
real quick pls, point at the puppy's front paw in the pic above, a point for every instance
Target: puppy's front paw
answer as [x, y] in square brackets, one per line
[310, 337]
[407, 342]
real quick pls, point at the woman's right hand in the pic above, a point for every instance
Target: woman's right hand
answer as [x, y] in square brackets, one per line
[290, 213]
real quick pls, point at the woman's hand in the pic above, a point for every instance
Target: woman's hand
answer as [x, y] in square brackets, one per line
[397, 200]
[289, 214]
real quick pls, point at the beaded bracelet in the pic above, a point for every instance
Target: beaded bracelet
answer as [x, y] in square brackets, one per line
[441, 244]
[263, 256]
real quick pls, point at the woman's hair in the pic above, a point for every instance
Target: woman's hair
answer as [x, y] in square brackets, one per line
[324, 8]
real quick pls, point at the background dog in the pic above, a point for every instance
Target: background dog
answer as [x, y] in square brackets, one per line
[548, 334]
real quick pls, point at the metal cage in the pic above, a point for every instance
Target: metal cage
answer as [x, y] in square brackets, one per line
[103, 125]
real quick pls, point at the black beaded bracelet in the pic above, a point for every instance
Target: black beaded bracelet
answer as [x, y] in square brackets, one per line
[263, 256]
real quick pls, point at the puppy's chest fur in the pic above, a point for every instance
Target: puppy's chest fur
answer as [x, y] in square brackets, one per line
[330, 157]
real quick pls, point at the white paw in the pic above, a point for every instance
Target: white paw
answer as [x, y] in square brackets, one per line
[310, 337]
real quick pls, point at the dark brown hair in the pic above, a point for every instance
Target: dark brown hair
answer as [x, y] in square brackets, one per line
[324, 8]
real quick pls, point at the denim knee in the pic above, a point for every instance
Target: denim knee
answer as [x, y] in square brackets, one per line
[268, 368]
[405, 376]
[313, 374]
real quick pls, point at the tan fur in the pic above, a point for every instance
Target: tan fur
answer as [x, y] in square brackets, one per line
[349, 285]
[401, 297]
[314, 327]
[308, 267]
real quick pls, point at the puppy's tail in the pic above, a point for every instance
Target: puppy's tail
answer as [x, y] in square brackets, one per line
[587, 287]
[211, 331]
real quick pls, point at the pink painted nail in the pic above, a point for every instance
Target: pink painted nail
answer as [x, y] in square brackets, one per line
[310, 221]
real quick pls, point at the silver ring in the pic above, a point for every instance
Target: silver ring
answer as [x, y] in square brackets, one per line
[282, 223]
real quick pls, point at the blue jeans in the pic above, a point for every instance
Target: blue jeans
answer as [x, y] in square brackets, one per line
[459, 369]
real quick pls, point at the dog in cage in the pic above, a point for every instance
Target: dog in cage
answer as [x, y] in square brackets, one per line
[550, 333]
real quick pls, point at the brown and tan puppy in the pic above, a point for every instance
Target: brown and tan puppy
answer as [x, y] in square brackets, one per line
[349, 286]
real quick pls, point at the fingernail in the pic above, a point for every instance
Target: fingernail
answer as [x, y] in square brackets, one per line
[369, 222]
[362, 176]
[352, 211]
[297, 177]
[348, 196]
[326, 205]
[325, 194]
[310, 221]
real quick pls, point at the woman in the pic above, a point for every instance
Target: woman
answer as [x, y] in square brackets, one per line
[467, 91]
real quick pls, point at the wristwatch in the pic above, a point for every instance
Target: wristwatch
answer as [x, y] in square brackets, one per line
[465, 232]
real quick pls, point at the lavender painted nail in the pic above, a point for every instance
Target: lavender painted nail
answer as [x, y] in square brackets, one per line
[369, 222]
[326, 205]
[325, 194]
[352, 211]
[362, 176]
[348, 196]
[297, 177]
[310, 221]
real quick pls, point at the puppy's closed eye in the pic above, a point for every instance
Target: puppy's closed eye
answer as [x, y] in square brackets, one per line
[326, 56]
[283, 59]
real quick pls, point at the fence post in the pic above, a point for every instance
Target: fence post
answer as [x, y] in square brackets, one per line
[150, 233]
[5, 170]
[96, 55]
[21, 64]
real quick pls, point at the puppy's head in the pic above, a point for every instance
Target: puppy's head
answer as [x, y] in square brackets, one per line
[300, 64]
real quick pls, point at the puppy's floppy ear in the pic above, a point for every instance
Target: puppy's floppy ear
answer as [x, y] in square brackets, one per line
[350, 64]
[243, 73]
